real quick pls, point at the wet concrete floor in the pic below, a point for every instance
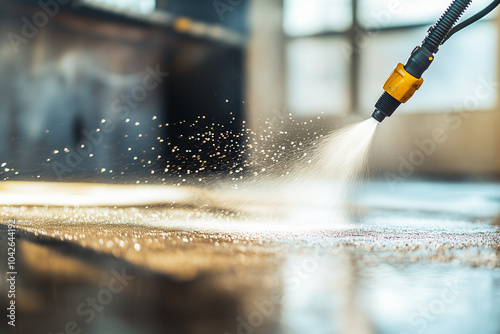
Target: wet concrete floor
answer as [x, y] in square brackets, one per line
[422, 258]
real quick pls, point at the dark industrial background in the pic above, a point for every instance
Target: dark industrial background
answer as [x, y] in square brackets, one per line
[59, 84]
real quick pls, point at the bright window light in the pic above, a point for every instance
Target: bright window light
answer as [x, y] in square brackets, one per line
[316, 16]
[142, 6]
[317, 73]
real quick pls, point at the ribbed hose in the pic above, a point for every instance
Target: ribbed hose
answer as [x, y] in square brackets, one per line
[440, 30]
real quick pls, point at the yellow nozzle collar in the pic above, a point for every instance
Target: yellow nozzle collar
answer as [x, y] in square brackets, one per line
[401, 85]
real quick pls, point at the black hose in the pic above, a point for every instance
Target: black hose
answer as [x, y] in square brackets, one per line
[438, 32]
[422, 56]
[472, 19]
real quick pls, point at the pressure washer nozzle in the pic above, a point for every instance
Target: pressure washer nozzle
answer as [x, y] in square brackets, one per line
[385, 107]
[406, 79]
[378, 115]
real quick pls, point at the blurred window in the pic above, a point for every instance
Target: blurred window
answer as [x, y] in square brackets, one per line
[304, 18]
[313, 73]
[142, 6]
[341, 51]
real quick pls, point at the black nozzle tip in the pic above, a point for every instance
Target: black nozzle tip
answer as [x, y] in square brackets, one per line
[385, 107]
[378, 115]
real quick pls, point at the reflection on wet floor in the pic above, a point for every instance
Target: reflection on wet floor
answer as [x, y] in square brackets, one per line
[403, 262]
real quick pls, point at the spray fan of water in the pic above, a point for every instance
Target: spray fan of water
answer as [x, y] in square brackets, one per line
[325, 176]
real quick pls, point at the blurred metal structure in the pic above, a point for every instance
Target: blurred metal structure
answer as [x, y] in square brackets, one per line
[73, 82]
